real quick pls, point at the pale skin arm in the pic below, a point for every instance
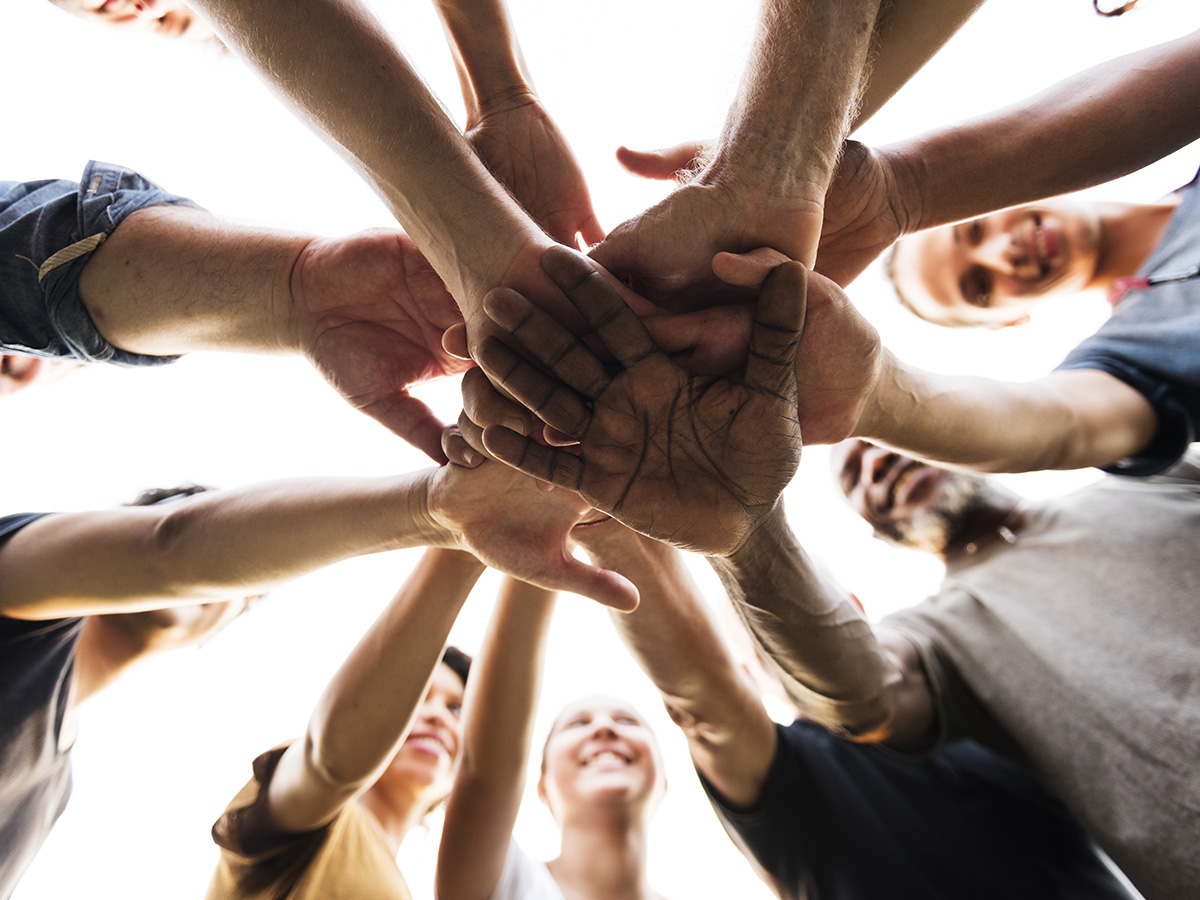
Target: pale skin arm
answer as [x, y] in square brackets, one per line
[366, 711]
[366, 310]
[507, 126]
[498, 722]
[766, 181]
[673, 637]
[334, 64]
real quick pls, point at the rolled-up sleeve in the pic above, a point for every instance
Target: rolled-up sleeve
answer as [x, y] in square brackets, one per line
[48, 232]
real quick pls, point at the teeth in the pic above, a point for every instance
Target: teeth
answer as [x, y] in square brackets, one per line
[606, 754]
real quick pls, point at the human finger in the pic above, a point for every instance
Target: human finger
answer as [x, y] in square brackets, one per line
[592, 232]
[545, 340]
[775, 335]
[411, 419]
[457, 448]
[551, 400]
[484, 405]
[668, 163]
[600, 304]
[544, 463]
[605, 586]
[454, 341]
[748, 269]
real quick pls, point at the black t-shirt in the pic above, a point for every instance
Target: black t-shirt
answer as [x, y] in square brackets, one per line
[36, 664]
[844, 821]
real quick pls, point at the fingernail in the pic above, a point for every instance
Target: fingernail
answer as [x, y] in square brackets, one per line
[515, 424]
[471, 457]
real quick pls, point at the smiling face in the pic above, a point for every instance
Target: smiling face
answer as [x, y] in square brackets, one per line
[169, 18]
[428, 758]
[991, 270]
[906, 501]
[600, 752]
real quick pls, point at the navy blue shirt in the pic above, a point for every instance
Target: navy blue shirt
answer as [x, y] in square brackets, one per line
[844, 821]
[37, 660]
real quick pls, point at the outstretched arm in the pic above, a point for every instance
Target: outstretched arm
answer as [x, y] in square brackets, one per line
[1100, 124]
[335, 65]
[506, 124]
[367, 709]
[766, 180]
[497, 732]
[675, 640]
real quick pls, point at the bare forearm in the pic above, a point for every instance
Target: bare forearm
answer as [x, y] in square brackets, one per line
[824, 650]
[171, 279]
[208, 547]
[498, 731]
[908, 34]
[1068, 420]
[368, 706]
[795, 105]
[1095, 126]
[486, 52]
[335, 65]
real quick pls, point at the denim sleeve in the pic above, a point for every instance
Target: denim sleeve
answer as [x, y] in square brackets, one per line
[48, 232]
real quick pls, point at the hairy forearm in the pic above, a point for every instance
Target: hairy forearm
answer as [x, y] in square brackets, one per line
[797, 99]
[908, 34]
[171, 279]
[500, 710]
[823, 649]
[1068, 420]
[211, 546]
[1095, 126]
[369, 704]
[335, 65]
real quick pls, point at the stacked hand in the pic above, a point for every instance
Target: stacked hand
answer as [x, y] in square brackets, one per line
[690, 459]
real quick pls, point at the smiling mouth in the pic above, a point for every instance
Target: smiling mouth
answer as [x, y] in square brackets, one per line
[607, 754]
[429, 744]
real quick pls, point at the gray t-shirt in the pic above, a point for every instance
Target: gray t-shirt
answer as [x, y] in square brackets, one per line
[1077, 650]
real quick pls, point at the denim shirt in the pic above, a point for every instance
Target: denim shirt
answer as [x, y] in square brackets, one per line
[48, 232]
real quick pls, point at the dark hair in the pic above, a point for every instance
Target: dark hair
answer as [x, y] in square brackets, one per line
[458, 661]
[154, 496]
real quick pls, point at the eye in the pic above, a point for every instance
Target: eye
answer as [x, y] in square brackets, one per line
[455, 709]
[974, 232]
[627, 720]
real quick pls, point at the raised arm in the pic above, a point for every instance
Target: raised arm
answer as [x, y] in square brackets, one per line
[499, 713]
[1100, 124]
[335, 65]
[367, 709]
[766, 180]
[507, 125]
[675, 640]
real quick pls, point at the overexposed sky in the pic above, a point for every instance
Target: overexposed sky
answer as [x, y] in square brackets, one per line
[161, 753]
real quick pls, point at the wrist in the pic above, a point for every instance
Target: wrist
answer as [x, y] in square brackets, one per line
[885, 402]
[761, 544]
[426, 522]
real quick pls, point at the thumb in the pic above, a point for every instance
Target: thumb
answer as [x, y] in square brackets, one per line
[775, 337]
[606, 587]
[412, 420]
[672, 162]
[748, 269]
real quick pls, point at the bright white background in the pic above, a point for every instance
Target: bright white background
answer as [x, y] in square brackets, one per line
[162, 752]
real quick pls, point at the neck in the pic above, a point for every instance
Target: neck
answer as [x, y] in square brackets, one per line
[603, 858]
[1128, 234]
[998, 522]
[396, 812]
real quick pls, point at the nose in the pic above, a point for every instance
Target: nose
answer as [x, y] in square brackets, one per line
[603, 727]
[1001, 252]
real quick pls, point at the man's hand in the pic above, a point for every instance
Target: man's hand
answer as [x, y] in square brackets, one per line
[666, 252]
[520, 527]
[370, 313]
[692, 460]
[524, 149]
[865, 213]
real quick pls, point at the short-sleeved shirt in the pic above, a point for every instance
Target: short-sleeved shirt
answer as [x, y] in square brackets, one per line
[1152, 342]
[348, 859]
[37, 663]
[842, 821]
[1077, 649]
[48, 232]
